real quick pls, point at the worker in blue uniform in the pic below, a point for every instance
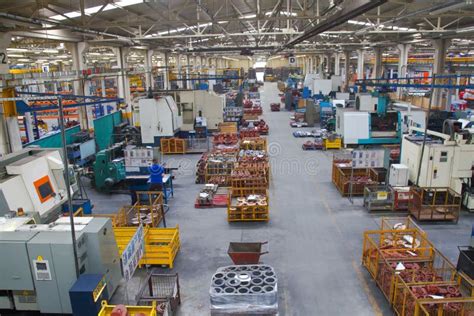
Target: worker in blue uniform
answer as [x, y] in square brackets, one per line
[156, 176]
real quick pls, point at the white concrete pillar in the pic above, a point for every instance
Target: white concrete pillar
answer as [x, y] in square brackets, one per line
[178, 67]
[337, 64]
[402, 63]
[10, 140]
[440, 46]
[123, 84]
[188, 69]
[360, 64]
[83, 87]
[149, 81]
[347, 67]
[166, 82]
[329, 63]
[378, 68]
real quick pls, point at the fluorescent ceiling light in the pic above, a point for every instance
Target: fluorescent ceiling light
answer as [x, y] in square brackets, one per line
[464, 30]
[17, 49]
[92, 10]
[24, 59]
[50, 51]
[248, 16]
[15, 55]
[450, 7]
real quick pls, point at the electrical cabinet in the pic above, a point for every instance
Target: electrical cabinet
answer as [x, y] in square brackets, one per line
[15, 273]
[398, 175]
[52, 264]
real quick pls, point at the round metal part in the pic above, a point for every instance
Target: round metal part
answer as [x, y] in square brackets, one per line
[230, 275]
[230, 290]
[256, 289]
[218, 282]
[269, 280]
[268, 288]
[256, 281]
[243, 277]
[243, 290]
[256, 274]
[233, 282]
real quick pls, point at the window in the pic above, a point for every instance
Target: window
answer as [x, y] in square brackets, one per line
[443, 157]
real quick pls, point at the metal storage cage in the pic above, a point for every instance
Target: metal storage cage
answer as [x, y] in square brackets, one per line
[378, 198]
[162, 289]
[434, 204]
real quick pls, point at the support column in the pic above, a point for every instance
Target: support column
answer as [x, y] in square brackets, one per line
[337, 64]
[188, 67]
[149, 82]
[329, 63]
[440, 46]
[347, 58]
[83, 87]
[123, 84]
[166, 82]
[10, 140]
[360, 64]
[378, 70]
[402, 63]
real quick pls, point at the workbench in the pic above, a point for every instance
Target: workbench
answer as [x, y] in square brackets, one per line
[142, 182]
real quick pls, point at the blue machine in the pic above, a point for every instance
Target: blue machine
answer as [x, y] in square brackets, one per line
[87, 294]
[85, 204]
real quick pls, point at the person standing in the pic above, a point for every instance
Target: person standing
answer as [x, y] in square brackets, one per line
[156, 176]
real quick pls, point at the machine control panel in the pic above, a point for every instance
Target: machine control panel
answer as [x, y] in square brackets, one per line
[42, 271]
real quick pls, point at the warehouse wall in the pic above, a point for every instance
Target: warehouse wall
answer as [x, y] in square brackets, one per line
[241, 63]
[277, 63]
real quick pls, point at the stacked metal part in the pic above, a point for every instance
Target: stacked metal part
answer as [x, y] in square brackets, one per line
[244, 288]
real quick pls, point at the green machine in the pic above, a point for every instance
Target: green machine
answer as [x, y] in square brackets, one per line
[109, 167]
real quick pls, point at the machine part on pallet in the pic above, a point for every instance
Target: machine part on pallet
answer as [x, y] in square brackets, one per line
[243, 290]
[269, 273]
[234, 282]
[268, 288]
[230, 290]
[218, 282]
[219, 275]
[256, 274]
[256, 281]
[269, 280]
[256, 289]
[230, 275]
[244, 277]
[217, 290]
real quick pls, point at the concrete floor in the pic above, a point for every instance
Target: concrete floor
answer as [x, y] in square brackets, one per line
[315, 236]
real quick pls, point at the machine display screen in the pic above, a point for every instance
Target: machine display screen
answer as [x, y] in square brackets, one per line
[44, 189]
[41, 266]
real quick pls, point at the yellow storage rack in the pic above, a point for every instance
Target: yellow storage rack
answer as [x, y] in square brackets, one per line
[161, 244]
[228, 127]
[173, 145]
[332, 144]
[106, 310]
[246, 213]
[253, 143]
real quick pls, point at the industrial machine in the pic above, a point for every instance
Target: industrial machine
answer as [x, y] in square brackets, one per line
[200, 103]
[370, 122]
[109, 167]
[38, 268]
[447, 159]
[32, 182]
[82, 149]
[159, 117]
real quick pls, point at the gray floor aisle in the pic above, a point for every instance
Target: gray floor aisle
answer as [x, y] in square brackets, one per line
[315, 236]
